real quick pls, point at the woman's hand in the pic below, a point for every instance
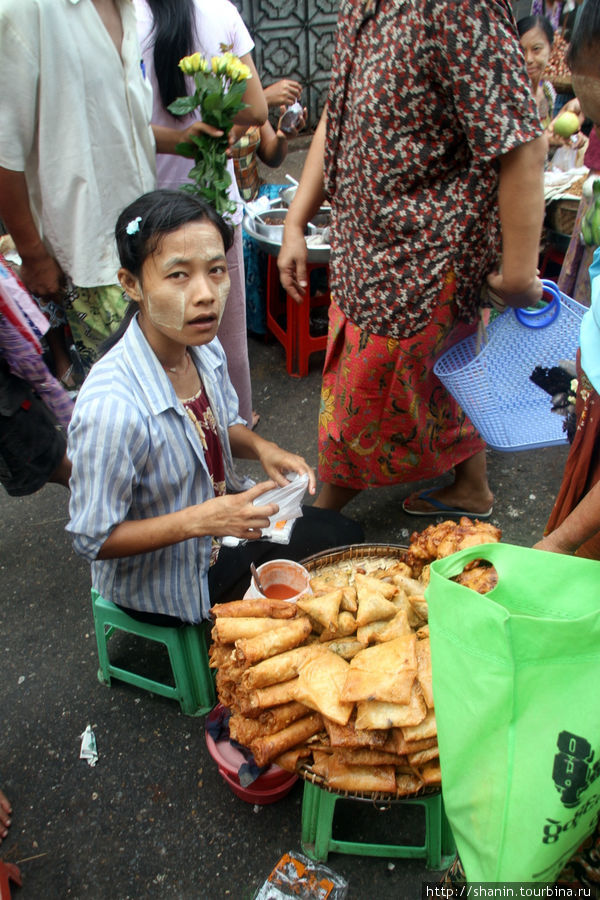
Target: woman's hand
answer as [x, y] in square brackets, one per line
[310, 193]
[42, 275]
[277, 463]
[291, 261]
[233, 514]
[167, 138]
[236, 514]
[293, 132]
[283, 93]
[247, 444]
[506, 294]
[196, 128]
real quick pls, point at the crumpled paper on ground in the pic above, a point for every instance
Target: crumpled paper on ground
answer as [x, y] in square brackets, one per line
[89, 751]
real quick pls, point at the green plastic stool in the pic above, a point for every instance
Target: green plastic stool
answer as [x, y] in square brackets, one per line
[194, 681]
[318, 806]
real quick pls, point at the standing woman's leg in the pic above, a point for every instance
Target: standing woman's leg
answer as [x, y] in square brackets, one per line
[232, 330]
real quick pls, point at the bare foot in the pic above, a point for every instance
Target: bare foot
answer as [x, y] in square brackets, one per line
[255, 419]
[5, 814]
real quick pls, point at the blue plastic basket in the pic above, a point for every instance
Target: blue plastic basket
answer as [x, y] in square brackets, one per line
[493, 386]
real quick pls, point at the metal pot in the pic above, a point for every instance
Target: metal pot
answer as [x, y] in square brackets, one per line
[287, 194]
[267, 230]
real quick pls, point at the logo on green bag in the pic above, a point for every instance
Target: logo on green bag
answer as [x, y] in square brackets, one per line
[574, 768]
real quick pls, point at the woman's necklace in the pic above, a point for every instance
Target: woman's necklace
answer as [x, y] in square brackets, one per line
[175, 370]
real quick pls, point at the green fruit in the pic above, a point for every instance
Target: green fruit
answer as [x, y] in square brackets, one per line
[586, 232]
[586, 227]
[566, 124]
[596, 226]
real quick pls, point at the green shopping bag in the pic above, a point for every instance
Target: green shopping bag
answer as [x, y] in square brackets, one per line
[515, 684]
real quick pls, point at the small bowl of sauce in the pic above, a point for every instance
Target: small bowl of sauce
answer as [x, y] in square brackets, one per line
[282, 579]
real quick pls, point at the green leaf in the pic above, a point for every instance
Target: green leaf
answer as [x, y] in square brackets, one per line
[183, 105]
[184, 148]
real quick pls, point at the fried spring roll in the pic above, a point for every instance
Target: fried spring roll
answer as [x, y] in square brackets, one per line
[274, 695]
[228, 630]
[268, 747]
[278, 668]
[257, 606]
[286, 636]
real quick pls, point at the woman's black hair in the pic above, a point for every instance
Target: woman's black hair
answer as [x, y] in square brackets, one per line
[527, 23]
[144, 222]
[174, 36]
[585, 38]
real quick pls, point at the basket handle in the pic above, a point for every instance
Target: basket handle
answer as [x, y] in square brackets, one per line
[541, 317]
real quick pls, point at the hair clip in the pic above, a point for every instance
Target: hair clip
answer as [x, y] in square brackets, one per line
[134, 226]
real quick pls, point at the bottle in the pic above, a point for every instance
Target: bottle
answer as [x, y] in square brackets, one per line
[291, 117]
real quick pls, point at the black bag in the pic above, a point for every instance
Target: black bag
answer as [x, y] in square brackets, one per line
[32, 443]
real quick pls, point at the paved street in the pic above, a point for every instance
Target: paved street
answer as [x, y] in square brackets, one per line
[154, 818]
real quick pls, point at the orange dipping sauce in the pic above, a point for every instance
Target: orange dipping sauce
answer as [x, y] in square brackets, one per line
[280, 592]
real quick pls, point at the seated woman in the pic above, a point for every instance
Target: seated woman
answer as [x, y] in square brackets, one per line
[156, 427]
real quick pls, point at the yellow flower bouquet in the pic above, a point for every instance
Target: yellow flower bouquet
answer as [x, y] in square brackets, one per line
[220, 86]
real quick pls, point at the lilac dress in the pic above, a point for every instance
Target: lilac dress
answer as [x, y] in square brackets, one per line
[538, 8]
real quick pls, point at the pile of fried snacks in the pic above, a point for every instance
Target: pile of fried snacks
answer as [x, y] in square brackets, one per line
[340, 683]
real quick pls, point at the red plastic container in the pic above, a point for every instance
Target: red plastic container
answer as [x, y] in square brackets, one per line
[252, 794]
[271, 786]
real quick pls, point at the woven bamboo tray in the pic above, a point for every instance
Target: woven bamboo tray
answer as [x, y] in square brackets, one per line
[375, 553]
[353, 552]
[376, 797]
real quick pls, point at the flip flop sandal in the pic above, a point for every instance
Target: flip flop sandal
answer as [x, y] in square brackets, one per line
[441, 508]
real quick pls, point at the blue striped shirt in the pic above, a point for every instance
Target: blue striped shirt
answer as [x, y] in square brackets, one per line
[135, 455]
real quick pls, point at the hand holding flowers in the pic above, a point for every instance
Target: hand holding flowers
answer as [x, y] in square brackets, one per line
[220, 87]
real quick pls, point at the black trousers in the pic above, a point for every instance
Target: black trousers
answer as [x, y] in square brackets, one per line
[318, 529]
[229, 578]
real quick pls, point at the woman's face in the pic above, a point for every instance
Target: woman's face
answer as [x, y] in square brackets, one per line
[184, 286]
[536, 48]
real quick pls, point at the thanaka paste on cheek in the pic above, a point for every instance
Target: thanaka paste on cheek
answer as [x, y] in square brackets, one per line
[167, 313]
[211, 249]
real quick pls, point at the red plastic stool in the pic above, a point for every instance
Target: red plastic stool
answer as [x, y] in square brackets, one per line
[8, 872]
[294, 334]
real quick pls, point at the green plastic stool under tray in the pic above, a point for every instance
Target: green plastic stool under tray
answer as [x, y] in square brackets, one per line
[318, 806]
[194, 682]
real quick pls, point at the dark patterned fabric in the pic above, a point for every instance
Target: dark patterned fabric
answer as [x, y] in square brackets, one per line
[385, 418]
[425, 95]
[199, 410]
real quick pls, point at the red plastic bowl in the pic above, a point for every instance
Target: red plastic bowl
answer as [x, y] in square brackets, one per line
[229, 760]
[251, 795]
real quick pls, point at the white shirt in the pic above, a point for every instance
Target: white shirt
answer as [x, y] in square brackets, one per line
[75, 117]
[215, 23]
